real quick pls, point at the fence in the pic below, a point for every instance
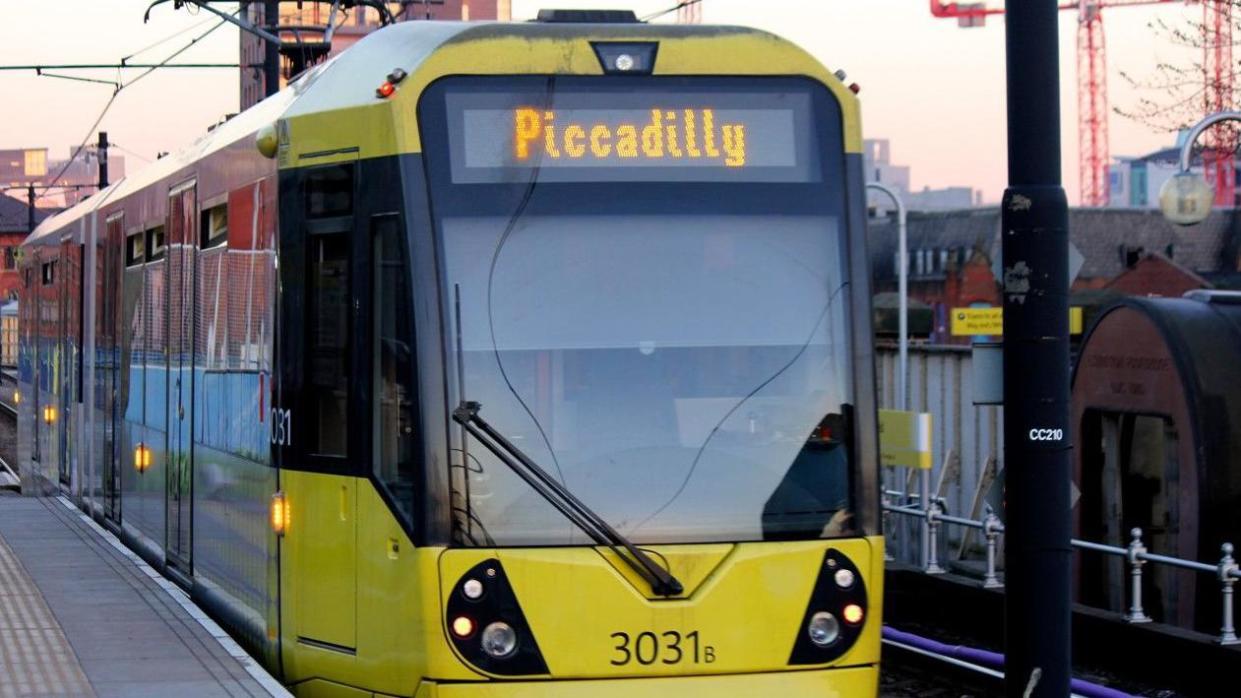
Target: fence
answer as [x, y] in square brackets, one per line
[933, 519]
[967, 440]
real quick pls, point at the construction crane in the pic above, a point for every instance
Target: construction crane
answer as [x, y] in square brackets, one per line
[1093, 153]
[1219, 154]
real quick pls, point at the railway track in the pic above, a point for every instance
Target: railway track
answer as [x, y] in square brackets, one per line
[909, 672]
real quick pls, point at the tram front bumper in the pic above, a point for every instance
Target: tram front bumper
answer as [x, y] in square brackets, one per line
[848, 682]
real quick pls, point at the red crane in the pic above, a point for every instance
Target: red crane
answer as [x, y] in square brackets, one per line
[1219, 155]
[1093, 153]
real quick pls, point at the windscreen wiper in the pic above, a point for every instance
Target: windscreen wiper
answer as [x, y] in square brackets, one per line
[661, 580]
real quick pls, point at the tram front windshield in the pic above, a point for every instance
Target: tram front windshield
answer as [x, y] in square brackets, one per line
[651, 283]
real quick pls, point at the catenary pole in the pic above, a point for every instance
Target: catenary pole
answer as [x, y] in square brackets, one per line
[30, 199]
[1037, 438]
[103, 160]
[271, 50]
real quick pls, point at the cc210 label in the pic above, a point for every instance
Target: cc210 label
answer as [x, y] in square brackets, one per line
[1046, 434]
[670, 647]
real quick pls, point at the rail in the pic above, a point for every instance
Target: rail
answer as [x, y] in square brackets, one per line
[1136, 554]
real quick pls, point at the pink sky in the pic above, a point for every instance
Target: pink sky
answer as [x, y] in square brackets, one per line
[935, 90]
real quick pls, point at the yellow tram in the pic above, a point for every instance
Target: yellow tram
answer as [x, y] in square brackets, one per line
[526, 359]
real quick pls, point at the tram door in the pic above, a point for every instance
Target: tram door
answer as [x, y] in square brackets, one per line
[108, 356]
[63, 418]
[182, 245]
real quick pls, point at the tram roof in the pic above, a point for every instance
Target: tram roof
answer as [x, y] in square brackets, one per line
[349, 79]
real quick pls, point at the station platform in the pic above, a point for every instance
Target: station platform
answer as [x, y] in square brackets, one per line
[80, 615]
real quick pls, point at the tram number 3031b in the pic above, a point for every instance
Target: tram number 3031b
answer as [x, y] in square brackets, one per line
[281, 426]
[669, 647]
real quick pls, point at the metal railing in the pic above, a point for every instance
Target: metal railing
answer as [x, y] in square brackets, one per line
[933, 519]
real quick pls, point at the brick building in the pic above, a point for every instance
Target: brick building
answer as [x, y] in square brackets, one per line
[14, 222]
[1126, 252]
[1154, 275]
[351, 26]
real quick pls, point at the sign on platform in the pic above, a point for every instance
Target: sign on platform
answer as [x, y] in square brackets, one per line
[977, 321]
[990, 321]
[905, 438]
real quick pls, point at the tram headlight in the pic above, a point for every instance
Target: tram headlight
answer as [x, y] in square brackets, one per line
[473, 589]
[823, 629]
[499, 640]
[835, 613]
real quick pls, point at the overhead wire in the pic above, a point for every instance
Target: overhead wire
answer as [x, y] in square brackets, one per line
[670, 10]
[140, 156]
[112, 100]
[166, 39]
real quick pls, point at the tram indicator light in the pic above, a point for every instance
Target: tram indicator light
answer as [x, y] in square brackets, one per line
[142, 457]
[462, 626]
[279, 513]
[49, 414]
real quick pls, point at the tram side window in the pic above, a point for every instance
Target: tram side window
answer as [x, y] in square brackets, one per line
[155, 243]
[329, 343]
[214, 226]
[393, 374]
[329, 205]
[135, 250]
[329, 192]
[49, 273]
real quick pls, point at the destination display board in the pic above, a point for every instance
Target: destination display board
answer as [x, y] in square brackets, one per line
[612, 136]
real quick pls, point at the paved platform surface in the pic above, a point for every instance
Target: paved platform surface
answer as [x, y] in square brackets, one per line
[82, 616]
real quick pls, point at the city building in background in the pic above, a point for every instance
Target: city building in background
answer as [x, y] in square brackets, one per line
[1134, 182]
[878, 167]
[20, 167]
[307, 22]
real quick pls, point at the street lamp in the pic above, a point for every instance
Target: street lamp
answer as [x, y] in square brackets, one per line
[1186, 198]
[902, 364]
[902, 254]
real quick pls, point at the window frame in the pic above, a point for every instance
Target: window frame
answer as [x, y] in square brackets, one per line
[307, 228]
[135, 257]
[406, 508]
[153, 235]
[213, 237]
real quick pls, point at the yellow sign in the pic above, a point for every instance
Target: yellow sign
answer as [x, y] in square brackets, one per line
[905, 438]
[971, 321]
[990, 321]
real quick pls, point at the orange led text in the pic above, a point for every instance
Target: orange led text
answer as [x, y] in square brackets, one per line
[690, 134]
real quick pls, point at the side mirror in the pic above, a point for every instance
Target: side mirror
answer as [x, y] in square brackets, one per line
[1186, 199]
